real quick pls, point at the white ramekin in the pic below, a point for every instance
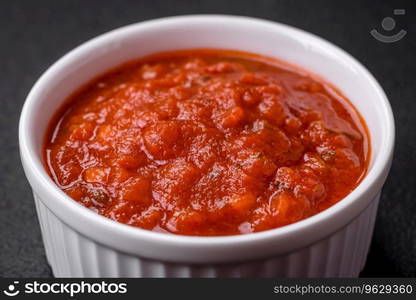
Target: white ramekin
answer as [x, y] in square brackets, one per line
[80, 243]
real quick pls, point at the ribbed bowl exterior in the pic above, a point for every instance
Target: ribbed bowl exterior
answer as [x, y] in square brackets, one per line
[342, 254]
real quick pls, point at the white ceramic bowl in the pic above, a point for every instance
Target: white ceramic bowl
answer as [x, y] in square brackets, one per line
[79, 242]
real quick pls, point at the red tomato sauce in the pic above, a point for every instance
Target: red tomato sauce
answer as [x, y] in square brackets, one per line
[207, 142]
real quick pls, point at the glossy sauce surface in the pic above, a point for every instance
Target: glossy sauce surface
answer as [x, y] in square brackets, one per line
[207, 142]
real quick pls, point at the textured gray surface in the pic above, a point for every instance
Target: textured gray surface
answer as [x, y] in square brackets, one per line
[36, 33]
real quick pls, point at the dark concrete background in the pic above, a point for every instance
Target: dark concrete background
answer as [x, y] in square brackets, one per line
[36, 33]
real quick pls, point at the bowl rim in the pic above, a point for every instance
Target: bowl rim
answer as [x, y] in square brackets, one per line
[300, 233]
